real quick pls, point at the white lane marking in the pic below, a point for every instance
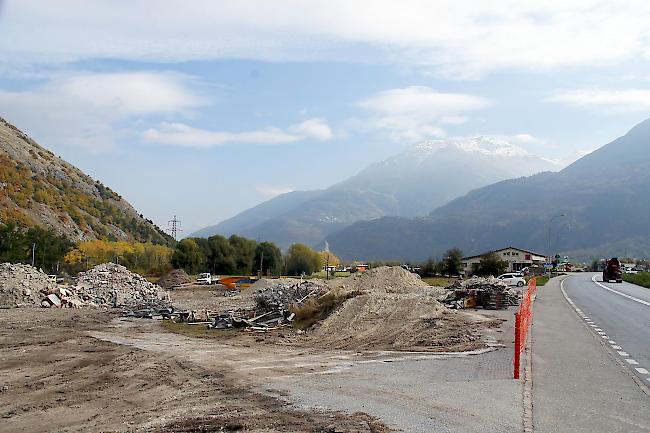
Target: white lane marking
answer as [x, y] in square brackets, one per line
[593, 326]
[612, 342]
[598, 330]
[605, 337]
[640, 301]
[615, 347]
[620, 352]
[642, 370]
[632, 362]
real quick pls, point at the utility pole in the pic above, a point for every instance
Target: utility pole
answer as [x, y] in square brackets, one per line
[261, 262]
[33, 253]
[174, 226]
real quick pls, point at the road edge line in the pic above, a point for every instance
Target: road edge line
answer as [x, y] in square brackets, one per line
[642, 386]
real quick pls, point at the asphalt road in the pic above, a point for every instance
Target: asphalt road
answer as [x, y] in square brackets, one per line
[622, 314]
[578, 385]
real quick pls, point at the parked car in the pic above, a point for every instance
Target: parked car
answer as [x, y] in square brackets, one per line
[513, 279]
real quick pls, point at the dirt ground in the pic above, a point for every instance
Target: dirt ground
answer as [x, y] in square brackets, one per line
[90, 370]
[55, 376]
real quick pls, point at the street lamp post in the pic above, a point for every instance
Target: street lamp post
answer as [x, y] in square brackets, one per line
[550, 222]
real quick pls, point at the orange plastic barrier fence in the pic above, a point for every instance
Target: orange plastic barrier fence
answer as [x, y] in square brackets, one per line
[523, 320]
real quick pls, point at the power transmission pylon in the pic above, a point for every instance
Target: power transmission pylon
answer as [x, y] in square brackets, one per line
[174, 226]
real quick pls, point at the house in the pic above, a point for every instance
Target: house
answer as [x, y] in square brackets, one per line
[516, 258]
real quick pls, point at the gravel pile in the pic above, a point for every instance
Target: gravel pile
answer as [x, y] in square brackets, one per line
[22, 285]
[479, 283]
[111, 285]
[173, 278]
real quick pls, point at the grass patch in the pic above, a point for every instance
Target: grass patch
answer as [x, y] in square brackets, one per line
[439, 281]
[640, 279]
[197, 331]
[314, 310]
[542, 280]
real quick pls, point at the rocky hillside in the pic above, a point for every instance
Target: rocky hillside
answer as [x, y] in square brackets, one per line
[604, 197]
[37, 188]
[409, 184]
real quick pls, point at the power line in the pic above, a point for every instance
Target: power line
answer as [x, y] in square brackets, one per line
[174, 226]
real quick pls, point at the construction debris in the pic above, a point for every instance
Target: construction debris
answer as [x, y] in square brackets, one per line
[173, 279]
[489, 293]
[22, 285]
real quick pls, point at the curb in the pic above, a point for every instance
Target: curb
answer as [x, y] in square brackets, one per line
[528, 387]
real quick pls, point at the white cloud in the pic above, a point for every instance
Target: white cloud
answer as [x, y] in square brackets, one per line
[415, 113]
[179, 134]
[133, 93]
[270, 191]
[462, 39]
[627, 100]
[89, 110]
[316, 128]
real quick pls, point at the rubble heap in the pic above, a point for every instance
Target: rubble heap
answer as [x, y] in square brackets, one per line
[22, 285]
[111, 285]
[173, 278]
[490, 292]
[281, 296]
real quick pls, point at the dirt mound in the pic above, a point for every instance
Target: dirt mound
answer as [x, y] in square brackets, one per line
[111, 285]
[387, 279]
[173, 278]
[22, 285]
[397, 311]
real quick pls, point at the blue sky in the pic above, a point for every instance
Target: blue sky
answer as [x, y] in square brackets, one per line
[202, 109]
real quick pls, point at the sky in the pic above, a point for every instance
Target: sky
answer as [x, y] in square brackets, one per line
[201, 109]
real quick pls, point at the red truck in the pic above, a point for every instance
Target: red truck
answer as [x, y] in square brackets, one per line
[612, 271]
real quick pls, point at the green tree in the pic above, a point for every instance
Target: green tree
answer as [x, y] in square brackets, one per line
[188, 256]
[452, 262]
[49, 248]
[301, 258]
[428, 268]
[491, 264]
[243, 253]
[220, 256]
[270, 257]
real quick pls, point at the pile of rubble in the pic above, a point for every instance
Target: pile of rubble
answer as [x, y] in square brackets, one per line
[273, 300]
[490, 293]
[22, 285]
[173, 279]
[109, 286]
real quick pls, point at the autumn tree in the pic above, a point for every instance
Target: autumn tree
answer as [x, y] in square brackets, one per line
[302, 259]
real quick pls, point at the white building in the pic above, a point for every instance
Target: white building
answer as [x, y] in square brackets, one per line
[516, 258]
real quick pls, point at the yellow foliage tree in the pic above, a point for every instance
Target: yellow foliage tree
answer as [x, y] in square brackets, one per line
[333, 260]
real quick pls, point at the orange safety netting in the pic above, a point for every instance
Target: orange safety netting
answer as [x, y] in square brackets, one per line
[523, 320]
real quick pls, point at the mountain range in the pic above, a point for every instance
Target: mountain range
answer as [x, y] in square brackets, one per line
[37, 188]
[596, 207]
[409, 184]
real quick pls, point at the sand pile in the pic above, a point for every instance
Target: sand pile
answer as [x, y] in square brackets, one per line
[397, 311]
[173, 278]
[387, 279]
[22, 285]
